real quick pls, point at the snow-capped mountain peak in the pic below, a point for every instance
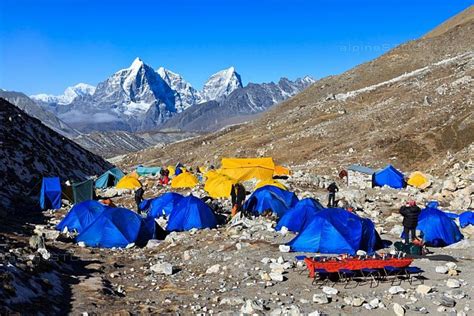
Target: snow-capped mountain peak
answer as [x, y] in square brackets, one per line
[221, 84]
[185, 94]
[80, 89]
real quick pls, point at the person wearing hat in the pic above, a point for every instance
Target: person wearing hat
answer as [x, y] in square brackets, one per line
[410, 212]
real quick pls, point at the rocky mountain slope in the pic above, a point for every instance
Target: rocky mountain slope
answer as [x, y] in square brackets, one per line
[411, 107]
[111, 144]
[31, 108]
[30, 150]
[239, 106]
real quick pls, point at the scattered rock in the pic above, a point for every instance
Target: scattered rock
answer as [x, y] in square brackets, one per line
[278, 277]
[284, 248]
[423, 289]
[396, 289]
[453, 283]
[320, 299]
[398, 309]
[447, 302]
[213, 269]
[441, 269]
[162, 268]
[330, 290]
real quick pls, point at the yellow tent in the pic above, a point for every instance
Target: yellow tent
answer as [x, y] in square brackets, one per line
[418, 180]
[219, 186]
[211, 174]
[184, 180]
[243, 169]
[275, 183]
[128, 182]
[172, 170]
[133, 174]
[281, 171]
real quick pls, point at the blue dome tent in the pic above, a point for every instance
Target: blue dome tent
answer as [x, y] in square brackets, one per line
[118, 227]
[272, 198]
[109, 178]
[438, 229]
[50, 196]
[389, 176]
[190, 213]
[296, 218]
[81, 216]
[337, 231]
[162, 205]
[466, 218]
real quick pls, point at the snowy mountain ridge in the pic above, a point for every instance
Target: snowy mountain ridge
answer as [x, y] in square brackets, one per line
[138, 98]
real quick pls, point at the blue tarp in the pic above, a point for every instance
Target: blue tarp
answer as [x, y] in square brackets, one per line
[337, 231]
[162, 205]
[190, 213]
[389, 176]
[50, 196]
[272, 198]
[142, 171]
[81, 216]
[109, 178]
[296, 218]
[466, 218]
[118, 227]
[438, 229]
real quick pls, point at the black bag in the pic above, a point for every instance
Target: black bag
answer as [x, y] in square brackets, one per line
[410, 248]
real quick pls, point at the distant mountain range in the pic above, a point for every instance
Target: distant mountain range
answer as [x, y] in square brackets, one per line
[138, 98]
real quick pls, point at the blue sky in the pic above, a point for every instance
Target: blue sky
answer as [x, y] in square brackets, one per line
[47, 45]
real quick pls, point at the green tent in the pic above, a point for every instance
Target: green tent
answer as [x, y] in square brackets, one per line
[83, 191]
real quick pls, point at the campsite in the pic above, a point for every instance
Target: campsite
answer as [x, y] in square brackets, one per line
[313, 174]
[200, 260]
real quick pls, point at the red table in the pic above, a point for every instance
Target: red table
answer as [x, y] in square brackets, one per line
[334, 265]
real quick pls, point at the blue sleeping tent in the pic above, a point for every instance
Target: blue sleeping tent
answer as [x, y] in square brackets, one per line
[109, 178]
[272, 198]
[81, 216]
[296, 218]
[438, 229]
[337, 231]
[389, 176]
[162, 205]
[143, 171]
[50, 196]
[118, 227]
[466, 218]
[190, 213]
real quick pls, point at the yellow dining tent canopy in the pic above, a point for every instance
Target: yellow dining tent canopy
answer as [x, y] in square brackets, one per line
[172, 170]
[243, 169]
[418, 180]
[219, 186]
[281, 171]
[275, 183]
[128, 182]
[184, 180]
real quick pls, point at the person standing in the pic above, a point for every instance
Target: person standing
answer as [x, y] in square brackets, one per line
[410, 213]
[332, 189]
[139, 197]
[237, 194]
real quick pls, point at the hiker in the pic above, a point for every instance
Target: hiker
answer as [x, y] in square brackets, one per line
[165, 177]
[237, 194]
[410, 212]
[332, 189]
[139, 197]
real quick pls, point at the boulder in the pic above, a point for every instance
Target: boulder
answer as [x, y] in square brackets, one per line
[320, 299]
[453, 283]
[162, 268]
[398, 309]
[213, 269]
